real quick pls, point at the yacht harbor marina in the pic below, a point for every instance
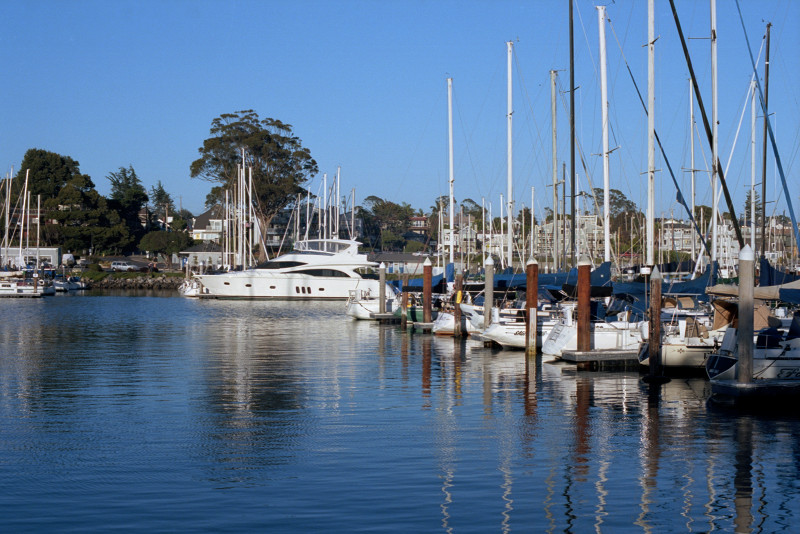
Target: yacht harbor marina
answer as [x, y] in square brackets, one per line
[597, 331]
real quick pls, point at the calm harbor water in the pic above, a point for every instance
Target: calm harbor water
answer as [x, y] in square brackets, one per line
[157, 413]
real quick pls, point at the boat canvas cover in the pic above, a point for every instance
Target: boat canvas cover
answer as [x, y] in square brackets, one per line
[770, 276]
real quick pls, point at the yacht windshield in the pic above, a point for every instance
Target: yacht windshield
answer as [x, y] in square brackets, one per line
[279, 264]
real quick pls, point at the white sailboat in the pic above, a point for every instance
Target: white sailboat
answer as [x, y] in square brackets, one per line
[775, 356]
[362, 304]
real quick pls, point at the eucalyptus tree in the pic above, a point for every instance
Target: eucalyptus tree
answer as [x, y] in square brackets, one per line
[280, 163]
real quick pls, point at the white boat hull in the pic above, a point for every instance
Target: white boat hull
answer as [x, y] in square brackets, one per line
[617, 335]
[260, 284]
[364, 309]
[512, 335]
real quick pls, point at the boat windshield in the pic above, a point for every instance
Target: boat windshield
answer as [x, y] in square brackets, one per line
[323, 245]
[279, 264]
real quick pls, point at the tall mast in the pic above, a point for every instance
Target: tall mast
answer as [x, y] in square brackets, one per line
[555, 170]
[509, 198]
[714, 128]
[651, 130]
[483, 228]
[9, 179]
[324, 207]
[450, 158]
[502, 233]
[601, 19]
[338, 198]
[353, 216]
[38, 226]
[764, 159]
[753, 167]
[533, 220]
[572, 131]
[691, 144]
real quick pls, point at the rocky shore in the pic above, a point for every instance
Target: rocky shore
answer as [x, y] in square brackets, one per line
[145, 281]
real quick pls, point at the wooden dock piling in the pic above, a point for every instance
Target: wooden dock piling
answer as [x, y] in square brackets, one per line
[404, 304]
[459, 285]
[654, 333]
[427, 292]
[382, 288]
[744, 334]
[531, 304]
[584, 343]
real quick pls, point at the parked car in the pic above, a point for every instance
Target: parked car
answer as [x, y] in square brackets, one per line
[123, 266]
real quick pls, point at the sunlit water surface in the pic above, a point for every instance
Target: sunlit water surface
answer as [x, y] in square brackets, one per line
[152, 412]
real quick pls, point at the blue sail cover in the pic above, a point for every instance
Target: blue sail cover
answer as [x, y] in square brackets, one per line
[770, 276]
[600, 276]
[791, 296]
[691, 287]
[416, 283]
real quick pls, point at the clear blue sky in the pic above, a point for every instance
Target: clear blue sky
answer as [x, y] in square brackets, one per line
[364, 85]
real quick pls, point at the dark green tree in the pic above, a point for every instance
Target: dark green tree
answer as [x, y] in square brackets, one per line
[281, 165]
[386, 221]
[166, 243]
[746, 211]
[47, 173]
[82, 219]
[472, 208]
[128, 197]
[161, 203]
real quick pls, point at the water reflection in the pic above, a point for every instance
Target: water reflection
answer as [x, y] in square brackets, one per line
[347, 425]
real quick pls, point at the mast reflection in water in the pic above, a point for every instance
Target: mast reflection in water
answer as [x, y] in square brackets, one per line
[159, 413]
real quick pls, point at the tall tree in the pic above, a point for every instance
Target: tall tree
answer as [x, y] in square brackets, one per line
[161, 202]
[387, 219]
[281, 165]
[83, 220]
[128, 197]
[472, 208]
[49, 172]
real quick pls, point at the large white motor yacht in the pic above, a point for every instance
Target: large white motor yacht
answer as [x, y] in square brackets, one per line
[317, 269]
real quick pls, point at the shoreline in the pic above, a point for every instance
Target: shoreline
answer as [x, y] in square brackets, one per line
[143, 281]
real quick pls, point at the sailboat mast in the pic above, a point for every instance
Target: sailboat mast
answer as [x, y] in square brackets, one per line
[338, 199]
[651, 130]
[753, 167]
[450, 158]
[691, 150]
[324, 208]
[483, 228]
[764, 158]
[714, 136]
[38, 226]
[8, 215]
[601, 19]
[533, 221]
[572, 131]
[509, 198]
[555, 171]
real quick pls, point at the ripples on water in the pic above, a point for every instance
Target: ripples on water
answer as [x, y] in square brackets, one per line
[154, 413]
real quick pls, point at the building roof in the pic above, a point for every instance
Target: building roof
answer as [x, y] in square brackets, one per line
[203, 220]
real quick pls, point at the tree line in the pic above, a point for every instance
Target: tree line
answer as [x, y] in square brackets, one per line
[77, 218]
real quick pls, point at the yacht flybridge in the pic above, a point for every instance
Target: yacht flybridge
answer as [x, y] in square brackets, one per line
[317, 269]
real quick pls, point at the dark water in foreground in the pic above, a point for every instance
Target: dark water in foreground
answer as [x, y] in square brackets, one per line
[164, 414]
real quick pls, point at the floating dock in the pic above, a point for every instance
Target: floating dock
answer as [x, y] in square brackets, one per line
[602, 360]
